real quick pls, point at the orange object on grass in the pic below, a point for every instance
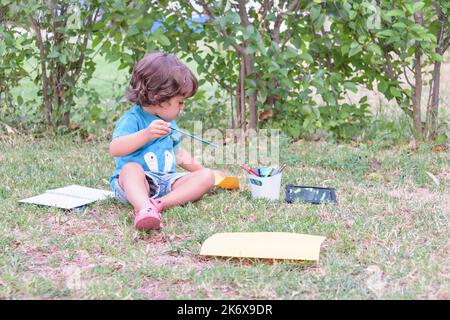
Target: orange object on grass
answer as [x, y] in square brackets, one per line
[226, 182]
[229, 183]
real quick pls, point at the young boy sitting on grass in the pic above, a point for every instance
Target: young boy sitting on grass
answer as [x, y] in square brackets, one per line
[146, 149]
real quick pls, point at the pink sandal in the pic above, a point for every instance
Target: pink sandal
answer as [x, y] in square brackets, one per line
[149, 217]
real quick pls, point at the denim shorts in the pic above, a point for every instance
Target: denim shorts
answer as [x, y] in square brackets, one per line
[160, 184]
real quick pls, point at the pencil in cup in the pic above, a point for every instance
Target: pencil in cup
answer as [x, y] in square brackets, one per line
[249, 171]
[282, 168]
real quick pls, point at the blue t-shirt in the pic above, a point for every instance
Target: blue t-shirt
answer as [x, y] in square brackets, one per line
[157, 155]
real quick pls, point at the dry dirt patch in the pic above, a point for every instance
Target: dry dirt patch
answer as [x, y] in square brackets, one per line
[58, 265]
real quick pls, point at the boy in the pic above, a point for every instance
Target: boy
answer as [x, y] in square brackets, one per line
[146, 149]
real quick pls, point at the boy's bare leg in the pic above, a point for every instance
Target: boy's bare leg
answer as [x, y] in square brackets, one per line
[191, 187]
[133, 181]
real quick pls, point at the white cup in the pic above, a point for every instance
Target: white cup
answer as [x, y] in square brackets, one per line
[265, 187]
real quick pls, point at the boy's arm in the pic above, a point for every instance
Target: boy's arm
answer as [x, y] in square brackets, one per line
[127, 144]
[185, 161]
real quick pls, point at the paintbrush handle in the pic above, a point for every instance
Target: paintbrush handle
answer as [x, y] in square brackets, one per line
[194, 137]
[271, 172]
[282, 168]
[250, 171]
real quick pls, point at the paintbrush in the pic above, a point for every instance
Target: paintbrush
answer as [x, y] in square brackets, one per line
[282, 168]
[275, 172]
[272, 170]
[194, 137]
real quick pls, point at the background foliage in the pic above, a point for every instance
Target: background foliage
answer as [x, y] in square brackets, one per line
[291, 65]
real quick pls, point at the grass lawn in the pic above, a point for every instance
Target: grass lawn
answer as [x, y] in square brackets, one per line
[387, 238]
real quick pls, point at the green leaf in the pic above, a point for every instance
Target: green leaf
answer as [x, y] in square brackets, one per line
[373, 47]
[351, 86]
[162, 39]
[385, 33]
[306, 57]
[134, 30]
[319, 22]
[410, 7]
[53, 54]
[399, 25]
[383, 86]
[395, 92]
[315, 12]
[354, 44]
[262, 95]
[418, 6]
[260, 45]
[97, 40]
[363, 100]
[395, 13]
[250, 83]
[232, 17]
[249, 92]
[105, 46]
[437, 57]
[354, 50]
[344, 49]
[63, 59]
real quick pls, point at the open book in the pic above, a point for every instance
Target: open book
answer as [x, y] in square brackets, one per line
[70, 197]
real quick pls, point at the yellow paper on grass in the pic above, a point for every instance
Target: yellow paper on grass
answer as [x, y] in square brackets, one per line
[264, 245]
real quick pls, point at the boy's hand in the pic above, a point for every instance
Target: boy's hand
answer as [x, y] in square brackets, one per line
[158, 129]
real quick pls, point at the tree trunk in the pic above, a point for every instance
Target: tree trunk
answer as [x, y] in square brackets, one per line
[66, 119]
[432, 112]
[238, 102]
[246, 69]
[433, 107]
[253, 112]
[249, 65]
[45, 81]
[417, 98]
[242, 94]
[232, 108]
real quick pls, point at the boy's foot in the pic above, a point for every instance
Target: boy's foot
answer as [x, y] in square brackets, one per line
[149, 217]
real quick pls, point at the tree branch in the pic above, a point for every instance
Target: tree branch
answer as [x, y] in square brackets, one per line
[243, 13]
[208, 10]
[42, 57]
[389, 70]
[292, 6]
[264, 10]
[80, 61]
[280, 18]
[429, 99]
[286, 40]
[52, 63]
[406, 77]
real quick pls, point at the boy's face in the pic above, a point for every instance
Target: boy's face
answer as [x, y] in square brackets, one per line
[171, 109]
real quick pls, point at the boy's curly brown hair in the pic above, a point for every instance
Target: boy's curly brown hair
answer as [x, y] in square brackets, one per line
[158, 77]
